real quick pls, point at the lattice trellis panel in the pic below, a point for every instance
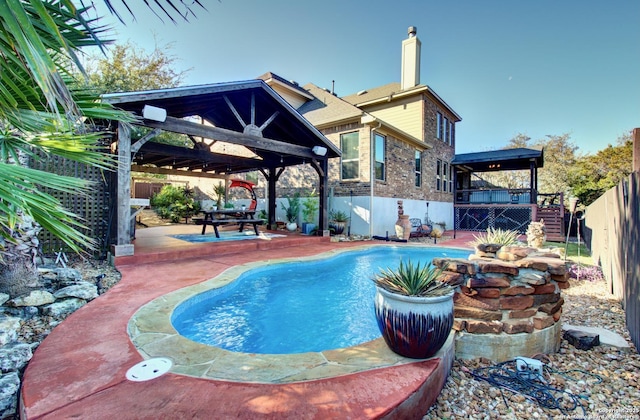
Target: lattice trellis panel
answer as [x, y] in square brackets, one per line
[482, 218]
[93, 208]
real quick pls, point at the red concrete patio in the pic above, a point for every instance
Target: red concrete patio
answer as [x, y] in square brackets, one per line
[79, 370]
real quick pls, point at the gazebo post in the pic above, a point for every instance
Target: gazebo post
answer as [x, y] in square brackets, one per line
[123, 244]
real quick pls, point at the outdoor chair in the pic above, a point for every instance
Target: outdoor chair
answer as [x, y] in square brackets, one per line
[418, 229]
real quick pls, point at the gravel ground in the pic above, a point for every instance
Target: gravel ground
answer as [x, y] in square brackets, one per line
[616, 397]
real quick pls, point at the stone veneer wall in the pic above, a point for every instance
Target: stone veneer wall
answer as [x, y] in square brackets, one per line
[507, 290]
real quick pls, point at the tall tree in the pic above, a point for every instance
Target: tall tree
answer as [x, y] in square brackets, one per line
[593, 175]
[559, 155]
[127, 67]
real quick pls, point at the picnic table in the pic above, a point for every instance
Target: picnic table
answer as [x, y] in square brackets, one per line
[222, 217]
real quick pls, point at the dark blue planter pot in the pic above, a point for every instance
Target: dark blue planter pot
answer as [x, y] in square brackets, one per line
[415, 327]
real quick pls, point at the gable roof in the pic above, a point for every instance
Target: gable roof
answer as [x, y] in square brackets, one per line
[500, 160]
[392, 91]
[327, 109]
[249, 113]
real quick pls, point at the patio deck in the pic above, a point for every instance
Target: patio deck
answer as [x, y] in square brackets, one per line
[79, 370]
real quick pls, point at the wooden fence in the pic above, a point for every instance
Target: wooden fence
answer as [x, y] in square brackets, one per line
[612, 232]
[93, 208]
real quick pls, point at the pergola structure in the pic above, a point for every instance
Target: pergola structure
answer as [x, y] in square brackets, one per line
[477, 208]
[271, 134]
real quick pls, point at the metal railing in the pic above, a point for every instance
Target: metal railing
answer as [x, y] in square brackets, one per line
[496, 196]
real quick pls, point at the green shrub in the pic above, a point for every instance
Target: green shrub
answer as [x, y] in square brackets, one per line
[495, 236]
[175, 203]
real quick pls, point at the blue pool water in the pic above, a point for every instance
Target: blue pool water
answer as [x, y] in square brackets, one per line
[297, 307]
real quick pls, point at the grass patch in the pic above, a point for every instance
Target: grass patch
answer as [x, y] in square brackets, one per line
[580, 255]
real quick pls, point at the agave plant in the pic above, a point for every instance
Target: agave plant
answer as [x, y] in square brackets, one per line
[412, 280]
[495, 236]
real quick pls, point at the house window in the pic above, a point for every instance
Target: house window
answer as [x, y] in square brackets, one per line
[418, 168]
[445, 129]
[450, 178]
[439, 128]
[380, 156]
[350, 146]
[445, 171]
[438, 174]
[451, 133]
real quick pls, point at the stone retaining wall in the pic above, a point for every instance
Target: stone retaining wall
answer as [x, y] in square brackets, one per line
[511, 290]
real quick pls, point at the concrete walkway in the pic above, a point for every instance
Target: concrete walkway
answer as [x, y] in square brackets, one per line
[79, 369]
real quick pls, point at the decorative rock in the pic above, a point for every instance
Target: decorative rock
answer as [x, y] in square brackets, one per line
[519, 251]
[488, 281]
[518, 290]
[531, 263]
[3, 298]
[581, 340]
[561, 277]
[492, 248]
[517, 326]
[460, 311]
[83, 290]
[544, 289]
[532, 277]
[523, 313]
[476, 302]
[68, 275]
[9, 327]
[496, 266]
[516, 302]
[607, 337]
[14, 357]
[542, 321]
[63, 307]
[563, 285]
[459, 324]
[9, 387]
[484, 327]
[452, 278]
[489, 292]
[542, 299]
[551, 308]
[35, 298]
[486, 254]
[455, 264]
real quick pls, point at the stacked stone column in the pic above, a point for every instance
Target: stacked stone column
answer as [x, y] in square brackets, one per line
[506, 291]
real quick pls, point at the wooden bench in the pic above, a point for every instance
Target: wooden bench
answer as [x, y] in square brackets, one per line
[220, 222]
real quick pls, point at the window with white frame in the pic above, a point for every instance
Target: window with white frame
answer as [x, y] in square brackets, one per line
[438, 174]
[380, 156]
[418, 168]
[445, 129]
[445, 172]
[450, 178]
[439, 126]
[451, 133]
[350, 164]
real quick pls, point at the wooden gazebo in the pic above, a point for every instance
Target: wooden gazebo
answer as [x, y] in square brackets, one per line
[263, 131]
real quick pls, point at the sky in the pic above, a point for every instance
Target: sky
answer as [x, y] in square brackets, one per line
[507, 67]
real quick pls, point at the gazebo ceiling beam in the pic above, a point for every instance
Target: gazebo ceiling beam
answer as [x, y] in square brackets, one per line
[178, 125]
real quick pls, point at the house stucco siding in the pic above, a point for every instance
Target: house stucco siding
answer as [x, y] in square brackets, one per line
[404, 114]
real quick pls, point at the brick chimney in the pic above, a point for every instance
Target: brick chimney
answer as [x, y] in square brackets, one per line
[411, 60]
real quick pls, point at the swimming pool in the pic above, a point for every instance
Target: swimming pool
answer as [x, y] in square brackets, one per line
[296, 307]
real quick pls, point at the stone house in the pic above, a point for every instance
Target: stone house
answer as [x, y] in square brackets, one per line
[397, 143]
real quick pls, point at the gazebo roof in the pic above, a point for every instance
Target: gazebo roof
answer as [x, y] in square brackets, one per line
[247, 113]
[500, 160]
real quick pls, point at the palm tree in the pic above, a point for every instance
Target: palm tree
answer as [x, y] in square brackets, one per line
[40, 111]
[43, 109]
